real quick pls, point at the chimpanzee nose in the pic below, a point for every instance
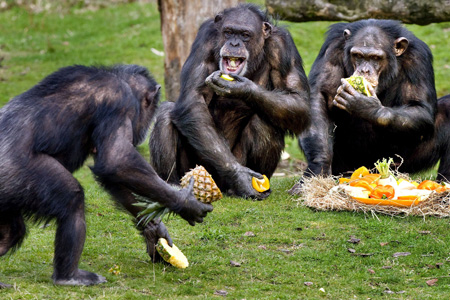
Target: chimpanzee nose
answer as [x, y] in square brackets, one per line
[235, 42]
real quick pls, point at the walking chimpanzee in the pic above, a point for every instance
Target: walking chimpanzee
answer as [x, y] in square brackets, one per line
[48, 132]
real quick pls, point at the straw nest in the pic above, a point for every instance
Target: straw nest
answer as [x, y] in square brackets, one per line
[317, 193]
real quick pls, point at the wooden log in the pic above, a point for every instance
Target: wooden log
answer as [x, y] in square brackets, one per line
[420, 12]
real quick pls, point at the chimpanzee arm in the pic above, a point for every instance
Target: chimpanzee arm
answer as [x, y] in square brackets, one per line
[118, 162]
[415, 117]
[194, 121]
[193, 118]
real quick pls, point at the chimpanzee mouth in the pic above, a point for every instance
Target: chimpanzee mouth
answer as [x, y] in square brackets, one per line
[233, 65]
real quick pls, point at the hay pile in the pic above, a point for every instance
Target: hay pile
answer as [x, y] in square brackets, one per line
[317, 193]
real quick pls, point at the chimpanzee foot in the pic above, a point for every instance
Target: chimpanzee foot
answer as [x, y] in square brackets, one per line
[81, 278]
[5, 286]
[296, 189]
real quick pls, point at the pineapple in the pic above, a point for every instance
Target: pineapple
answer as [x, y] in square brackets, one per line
[172, 255]
[205, 189]
[360, 84]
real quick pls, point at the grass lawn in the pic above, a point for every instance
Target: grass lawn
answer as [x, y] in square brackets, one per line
[279, 249]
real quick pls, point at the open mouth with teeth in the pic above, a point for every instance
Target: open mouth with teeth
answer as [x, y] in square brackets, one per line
[233, 65]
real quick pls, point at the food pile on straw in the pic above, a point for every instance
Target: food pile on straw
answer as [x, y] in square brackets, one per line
[332, 193]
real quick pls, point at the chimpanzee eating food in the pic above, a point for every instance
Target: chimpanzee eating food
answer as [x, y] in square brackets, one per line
[243, 88]
[48, 132]
[402, 118]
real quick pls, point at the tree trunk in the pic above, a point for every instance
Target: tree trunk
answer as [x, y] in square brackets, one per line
[408, 11]
[180, 20]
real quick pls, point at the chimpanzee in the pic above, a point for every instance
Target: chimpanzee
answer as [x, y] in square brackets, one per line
[49, 131]
[401, 119]
[236, 128]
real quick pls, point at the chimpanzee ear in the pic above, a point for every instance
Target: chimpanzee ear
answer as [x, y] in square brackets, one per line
[400, 45]
[347, 33]
[267, 29]
[152, 97]
[218, 18]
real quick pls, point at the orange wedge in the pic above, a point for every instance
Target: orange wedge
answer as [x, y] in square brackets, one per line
[359, 173]
[361, 183]
[343, 180]
[261, 185]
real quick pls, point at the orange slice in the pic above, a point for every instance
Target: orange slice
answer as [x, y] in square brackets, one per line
[359, 173]
[261, 185]
[361, 183]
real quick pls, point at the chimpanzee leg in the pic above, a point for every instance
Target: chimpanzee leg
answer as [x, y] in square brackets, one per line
[260, 146]
[12, 232]
[58, 194]
[169, 155]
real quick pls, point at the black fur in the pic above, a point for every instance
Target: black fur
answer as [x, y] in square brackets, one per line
[49, 131]
[233, 128]
[340, 140]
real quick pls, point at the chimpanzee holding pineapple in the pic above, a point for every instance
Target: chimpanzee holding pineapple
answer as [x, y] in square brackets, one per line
[48, 132]
[233, 125]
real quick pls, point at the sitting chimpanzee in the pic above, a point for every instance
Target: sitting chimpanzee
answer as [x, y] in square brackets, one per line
[49, 131]
[401, 119]
[234, 128]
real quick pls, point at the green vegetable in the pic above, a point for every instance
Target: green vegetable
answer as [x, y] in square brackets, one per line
[360, 84]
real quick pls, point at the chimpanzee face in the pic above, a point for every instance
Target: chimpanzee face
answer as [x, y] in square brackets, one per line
[242, 36]
[372, 53]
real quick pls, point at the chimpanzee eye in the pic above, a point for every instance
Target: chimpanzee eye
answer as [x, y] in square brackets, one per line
[227, 34]
[246, 37]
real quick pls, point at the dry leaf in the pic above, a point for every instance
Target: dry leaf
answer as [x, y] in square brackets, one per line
[234, 263]
[386, 267]
[384, 244]
[249, 233]
[221, 293]
[371, 271]
[425, 232]
[432, 282]
[351, 250]
[397, 254]
[262, 247]
[354, 240]
[363, 254]
[308, 283]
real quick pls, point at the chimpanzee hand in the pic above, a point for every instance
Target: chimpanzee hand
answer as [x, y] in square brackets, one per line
[241, 184]
[239, 87]
[154, 230]
[189, 208]
[347, 98]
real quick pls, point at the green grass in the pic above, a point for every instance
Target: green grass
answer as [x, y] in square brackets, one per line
[292, 244]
